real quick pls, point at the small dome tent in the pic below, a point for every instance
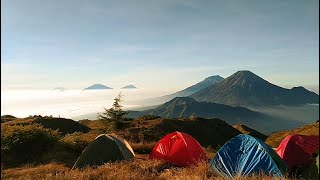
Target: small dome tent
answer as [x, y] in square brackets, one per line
[244, 155]
[297, 150]
[105, 148]
[179, 149]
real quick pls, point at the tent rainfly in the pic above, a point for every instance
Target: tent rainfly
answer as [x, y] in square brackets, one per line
[298, 150]
[179, 149]
[245, 155]
[105, 148]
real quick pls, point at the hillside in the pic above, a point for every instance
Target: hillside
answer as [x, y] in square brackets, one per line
[58, 153]
[186, 106]
[246, 130]
[275, 139]
[64, 126]
[208, 132]
[6, 118]
[97, 87]
[245, 88]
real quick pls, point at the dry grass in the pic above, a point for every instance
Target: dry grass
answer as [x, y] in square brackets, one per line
[19, 121]
[94, 124]
[78, 136]
[201, 129]
[275, 139]
[140, 168]
[246, 130]
[64, 126]
[69, 147]
[142, 147]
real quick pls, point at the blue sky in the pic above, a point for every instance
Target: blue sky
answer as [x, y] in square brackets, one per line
[160, 44]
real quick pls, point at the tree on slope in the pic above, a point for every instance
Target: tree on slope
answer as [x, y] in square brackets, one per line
[114, 116]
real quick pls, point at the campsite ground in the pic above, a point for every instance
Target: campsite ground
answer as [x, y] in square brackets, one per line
[140, 168]
[55, 161]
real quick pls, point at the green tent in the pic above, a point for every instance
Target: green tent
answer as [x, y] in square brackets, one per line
[105, 148]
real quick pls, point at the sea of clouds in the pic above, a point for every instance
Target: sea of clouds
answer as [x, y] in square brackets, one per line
[70, 103]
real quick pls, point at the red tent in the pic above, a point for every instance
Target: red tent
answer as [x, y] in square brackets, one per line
[297, 150]
[179, 149]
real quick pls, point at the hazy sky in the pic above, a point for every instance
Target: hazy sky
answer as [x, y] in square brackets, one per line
[167, 44]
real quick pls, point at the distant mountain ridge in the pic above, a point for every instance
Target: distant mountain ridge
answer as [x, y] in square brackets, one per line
[211, 80]
[59, 88]
[187, 106]
[97, 86]
[244, 88]
[130, 86]
[198, 86]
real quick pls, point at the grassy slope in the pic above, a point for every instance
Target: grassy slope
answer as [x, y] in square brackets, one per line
[140, 168]
[208, 132]
[246, 130]
[275, 139]
[64, 126]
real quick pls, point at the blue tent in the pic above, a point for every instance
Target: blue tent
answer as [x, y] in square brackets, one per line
[244, 155]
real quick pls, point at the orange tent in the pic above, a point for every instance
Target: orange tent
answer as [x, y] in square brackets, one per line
[178, 148]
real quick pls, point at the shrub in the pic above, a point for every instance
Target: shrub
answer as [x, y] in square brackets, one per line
[23, 144]
[6, 118]
[148, 117]
[78, 141]
[69, 148]
[75, 142]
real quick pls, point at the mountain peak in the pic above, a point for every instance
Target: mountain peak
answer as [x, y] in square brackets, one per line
[97, 86]
[298, 88]
[245, 73]
[245, 78]
[245, 88]
[130, 86]
[215, 77]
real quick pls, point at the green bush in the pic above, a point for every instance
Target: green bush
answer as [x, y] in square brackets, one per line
[76, 142]
[24, 144]
[69, 148]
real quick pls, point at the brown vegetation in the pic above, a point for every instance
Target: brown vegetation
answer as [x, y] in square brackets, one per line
[208, 132]
[23, 144]
[246, 130]
[140, 168]
[275, 139]
[64, 126]
[60, 150]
